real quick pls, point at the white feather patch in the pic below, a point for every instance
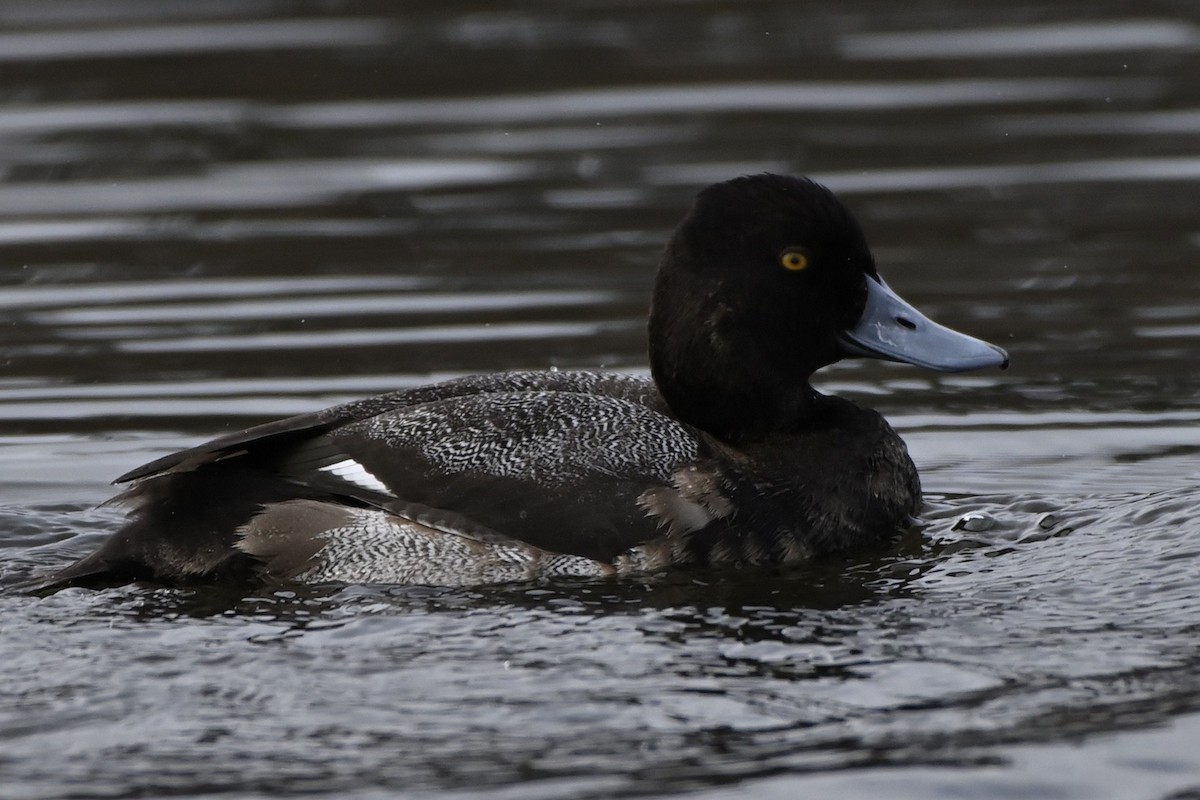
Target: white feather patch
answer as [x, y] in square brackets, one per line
[353, 472]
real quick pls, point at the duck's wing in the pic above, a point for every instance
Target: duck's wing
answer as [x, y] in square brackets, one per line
[280, 434]
[476, 489]
[560, 470]
[277, 434]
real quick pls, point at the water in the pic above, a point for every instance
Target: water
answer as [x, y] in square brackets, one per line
[213, 214]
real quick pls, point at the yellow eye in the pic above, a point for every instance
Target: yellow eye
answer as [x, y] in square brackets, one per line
[793, 259]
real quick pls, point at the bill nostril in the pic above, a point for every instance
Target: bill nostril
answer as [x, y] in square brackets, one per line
[905, 322]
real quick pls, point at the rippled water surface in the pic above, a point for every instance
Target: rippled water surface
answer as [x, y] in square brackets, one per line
[216, 213]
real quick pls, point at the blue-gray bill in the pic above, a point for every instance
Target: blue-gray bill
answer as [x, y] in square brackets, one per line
[893, 330]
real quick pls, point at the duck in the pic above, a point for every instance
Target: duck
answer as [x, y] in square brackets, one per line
[724, 456]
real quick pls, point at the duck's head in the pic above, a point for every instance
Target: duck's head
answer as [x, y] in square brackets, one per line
[766, 280]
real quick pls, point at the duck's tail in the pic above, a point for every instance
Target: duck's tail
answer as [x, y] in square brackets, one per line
[182, 527]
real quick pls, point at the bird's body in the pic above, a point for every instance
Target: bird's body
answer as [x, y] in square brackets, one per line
[728, 456]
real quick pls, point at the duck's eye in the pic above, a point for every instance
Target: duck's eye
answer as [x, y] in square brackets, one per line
[793, 259]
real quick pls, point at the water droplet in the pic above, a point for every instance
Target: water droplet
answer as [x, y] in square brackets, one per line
[975, 522]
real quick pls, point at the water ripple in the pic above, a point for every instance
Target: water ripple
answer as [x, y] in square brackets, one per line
[275, 184]
[32, 295]
[1114, 170]
[193, 38]
[1054, 39]
[269, 307]
[708, 98]
[142, 341]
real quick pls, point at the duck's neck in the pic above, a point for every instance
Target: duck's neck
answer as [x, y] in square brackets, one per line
[737, 396]
[737, 408]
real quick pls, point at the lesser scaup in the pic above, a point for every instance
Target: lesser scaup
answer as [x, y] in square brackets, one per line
[727, 456]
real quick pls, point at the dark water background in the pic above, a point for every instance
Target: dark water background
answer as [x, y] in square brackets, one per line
[216, 213]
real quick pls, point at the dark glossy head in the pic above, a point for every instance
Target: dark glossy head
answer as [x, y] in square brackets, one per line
[765, 281]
